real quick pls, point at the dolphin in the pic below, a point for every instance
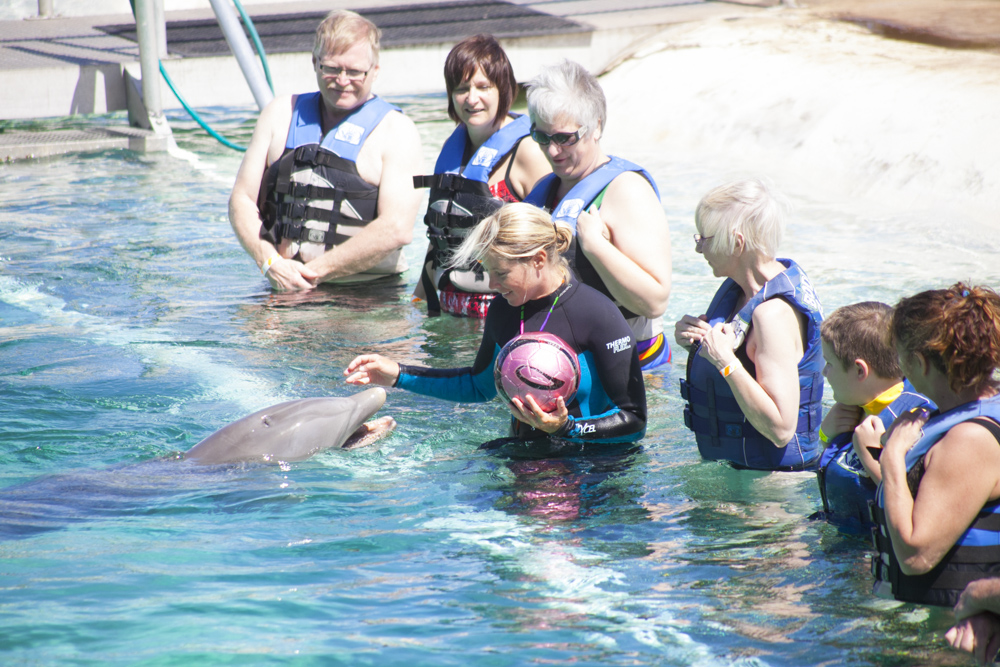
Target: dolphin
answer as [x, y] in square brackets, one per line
[296, 430]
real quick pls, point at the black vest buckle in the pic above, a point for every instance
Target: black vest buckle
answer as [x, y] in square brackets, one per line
[306, 153]
[288, 229]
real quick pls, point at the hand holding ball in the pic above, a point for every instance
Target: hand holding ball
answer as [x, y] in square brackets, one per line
[540, 364]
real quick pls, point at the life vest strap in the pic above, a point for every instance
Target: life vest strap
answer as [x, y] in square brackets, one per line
[295, 190]
[448, 182]
[296, 231]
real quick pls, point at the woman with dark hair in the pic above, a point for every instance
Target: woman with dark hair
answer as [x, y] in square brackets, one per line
[938, 507]
[482, 165]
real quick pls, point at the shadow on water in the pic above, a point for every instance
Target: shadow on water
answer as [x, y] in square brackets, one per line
[156, 487]
[361, 297]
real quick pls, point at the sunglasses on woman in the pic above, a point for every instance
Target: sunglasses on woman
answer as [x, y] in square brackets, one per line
[559, 138]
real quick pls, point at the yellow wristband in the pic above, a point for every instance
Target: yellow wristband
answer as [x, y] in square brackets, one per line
[268, 263]
[728, 370]
[823, 437]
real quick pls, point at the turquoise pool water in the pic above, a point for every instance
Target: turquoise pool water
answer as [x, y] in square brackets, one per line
[133, 325]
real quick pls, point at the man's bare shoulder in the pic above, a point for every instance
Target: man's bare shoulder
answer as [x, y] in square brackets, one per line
[278, 112]
[396, 140]
[396, 127]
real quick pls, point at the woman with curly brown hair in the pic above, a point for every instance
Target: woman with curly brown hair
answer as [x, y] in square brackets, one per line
[938, 507]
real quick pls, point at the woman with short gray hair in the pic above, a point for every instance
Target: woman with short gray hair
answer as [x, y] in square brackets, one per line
[754, 382]
[621, 236]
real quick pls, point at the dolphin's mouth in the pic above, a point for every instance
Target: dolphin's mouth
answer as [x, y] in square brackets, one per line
[370, 432]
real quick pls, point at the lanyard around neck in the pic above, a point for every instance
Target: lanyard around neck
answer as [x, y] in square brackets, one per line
[548, 314]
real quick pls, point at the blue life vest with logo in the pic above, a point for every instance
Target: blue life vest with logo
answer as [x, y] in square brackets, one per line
[844, 486]
[314, 188]
[460, 195]
[460, 198]
[976, 554]
[712, 412]
[648, 332]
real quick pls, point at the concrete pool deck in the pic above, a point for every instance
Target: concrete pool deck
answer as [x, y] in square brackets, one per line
[75, 65]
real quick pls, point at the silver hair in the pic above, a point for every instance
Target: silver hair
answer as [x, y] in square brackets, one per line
[752, 208]
[567, 90]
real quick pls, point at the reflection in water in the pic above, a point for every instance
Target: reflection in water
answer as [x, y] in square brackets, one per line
[568, 488]
[560, 532]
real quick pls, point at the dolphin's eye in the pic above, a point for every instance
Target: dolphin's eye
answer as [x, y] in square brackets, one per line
[266, 420]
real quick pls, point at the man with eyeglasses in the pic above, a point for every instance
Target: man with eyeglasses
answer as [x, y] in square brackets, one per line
[325, 191]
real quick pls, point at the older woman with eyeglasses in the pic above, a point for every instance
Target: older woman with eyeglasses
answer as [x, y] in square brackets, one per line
[754, 376]
[621, 237]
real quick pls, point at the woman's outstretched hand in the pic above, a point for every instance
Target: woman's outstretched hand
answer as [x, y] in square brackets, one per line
[372, 369]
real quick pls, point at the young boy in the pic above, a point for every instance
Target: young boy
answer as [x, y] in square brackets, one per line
[870, 393]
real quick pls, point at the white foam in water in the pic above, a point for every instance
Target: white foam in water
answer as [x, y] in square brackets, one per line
[198, 163]
[220, 381]
[554, 567]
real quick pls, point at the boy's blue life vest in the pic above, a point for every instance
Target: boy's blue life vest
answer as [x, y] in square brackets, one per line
[844, 486]
[976, 554]
[460, 199]
[720, 428]
[314, 187]
[654, 349]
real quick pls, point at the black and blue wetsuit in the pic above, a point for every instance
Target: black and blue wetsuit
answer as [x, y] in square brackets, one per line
[610, 405]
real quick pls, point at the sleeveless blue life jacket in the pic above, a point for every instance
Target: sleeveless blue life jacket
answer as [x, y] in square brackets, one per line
[722, 431]
[583, 194]
[844, 486]
[976, 554]
[460, 196]
[316, 179]
[648, 333]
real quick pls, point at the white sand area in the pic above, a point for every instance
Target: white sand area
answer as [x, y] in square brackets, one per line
[821, 107]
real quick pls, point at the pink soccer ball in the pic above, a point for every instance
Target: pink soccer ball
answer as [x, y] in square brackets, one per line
[540, 364]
